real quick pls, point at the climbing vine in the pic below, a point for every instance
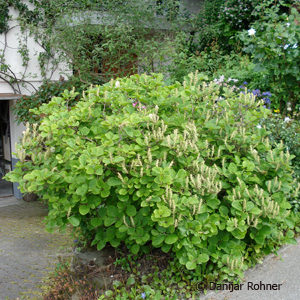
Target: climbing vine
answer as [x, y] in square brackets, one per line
[86, 41]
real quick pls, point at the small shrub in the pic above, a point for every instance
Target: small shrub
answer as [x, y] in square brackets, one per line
[142, 164]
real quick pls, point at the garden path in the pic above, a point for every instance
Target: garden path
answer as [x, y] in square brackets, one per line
[27, 252]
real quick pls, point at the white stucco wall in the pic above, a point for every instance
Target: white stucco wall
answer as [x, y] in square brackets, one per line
[9, 46]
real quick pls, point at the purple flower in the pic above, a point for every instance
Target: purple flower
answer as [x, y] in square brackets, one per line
[134, 104]
[143, 295]
[245, 83]
[75, 241]
[267, 100]
[143, 107]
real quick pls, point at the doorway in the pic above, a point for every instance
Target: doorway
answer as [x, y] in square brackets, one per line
[6, 188]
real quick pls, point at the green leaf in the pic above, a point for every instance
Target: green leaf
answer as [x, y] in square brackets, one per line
[84, 209]
[191, 265]
[135, 249]
[223, 210]
[108, 221]
[249, 165]
[202, 258]
[74, 221]
[213, 203]
[112, 181]
[166, 248]
[131, 211]
[82, 190]
[237, 205]
[249, 206]
[84, 131]
[95, 222]
[171, 239]
[255, 210]
[99, 170]
[105, 193]
[157, 240]
[100, 245]
[285, 204]
[112, 211]
[130, 281]
[232, 168]
[122, 192]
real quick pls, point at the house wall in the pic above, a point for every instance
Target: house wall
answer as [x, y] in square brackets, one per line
[9, 48]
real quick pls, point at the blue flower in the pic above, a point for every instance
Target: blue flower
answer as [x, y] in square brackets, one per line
[245, 83]
[256, 92]
[143, 295]
[267, 94]
[267, 100]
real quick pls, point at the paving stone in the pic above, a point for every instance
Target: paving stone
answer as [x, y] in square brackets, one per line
[27, 251]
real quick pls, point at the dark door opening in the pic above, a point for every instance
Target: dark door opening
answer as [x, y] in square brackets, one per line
[6, 188]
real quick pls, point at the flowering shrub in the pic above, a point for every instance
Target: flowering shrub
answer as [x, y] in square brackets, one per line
[186, 173]
[273, 43]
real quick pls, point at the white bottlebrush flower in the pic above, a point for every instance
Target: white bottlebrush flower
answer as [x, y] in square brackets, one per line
[286, 46]
[258, 126]
[295, 46]
[251, 31]
[288, 24]
[117, 84]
